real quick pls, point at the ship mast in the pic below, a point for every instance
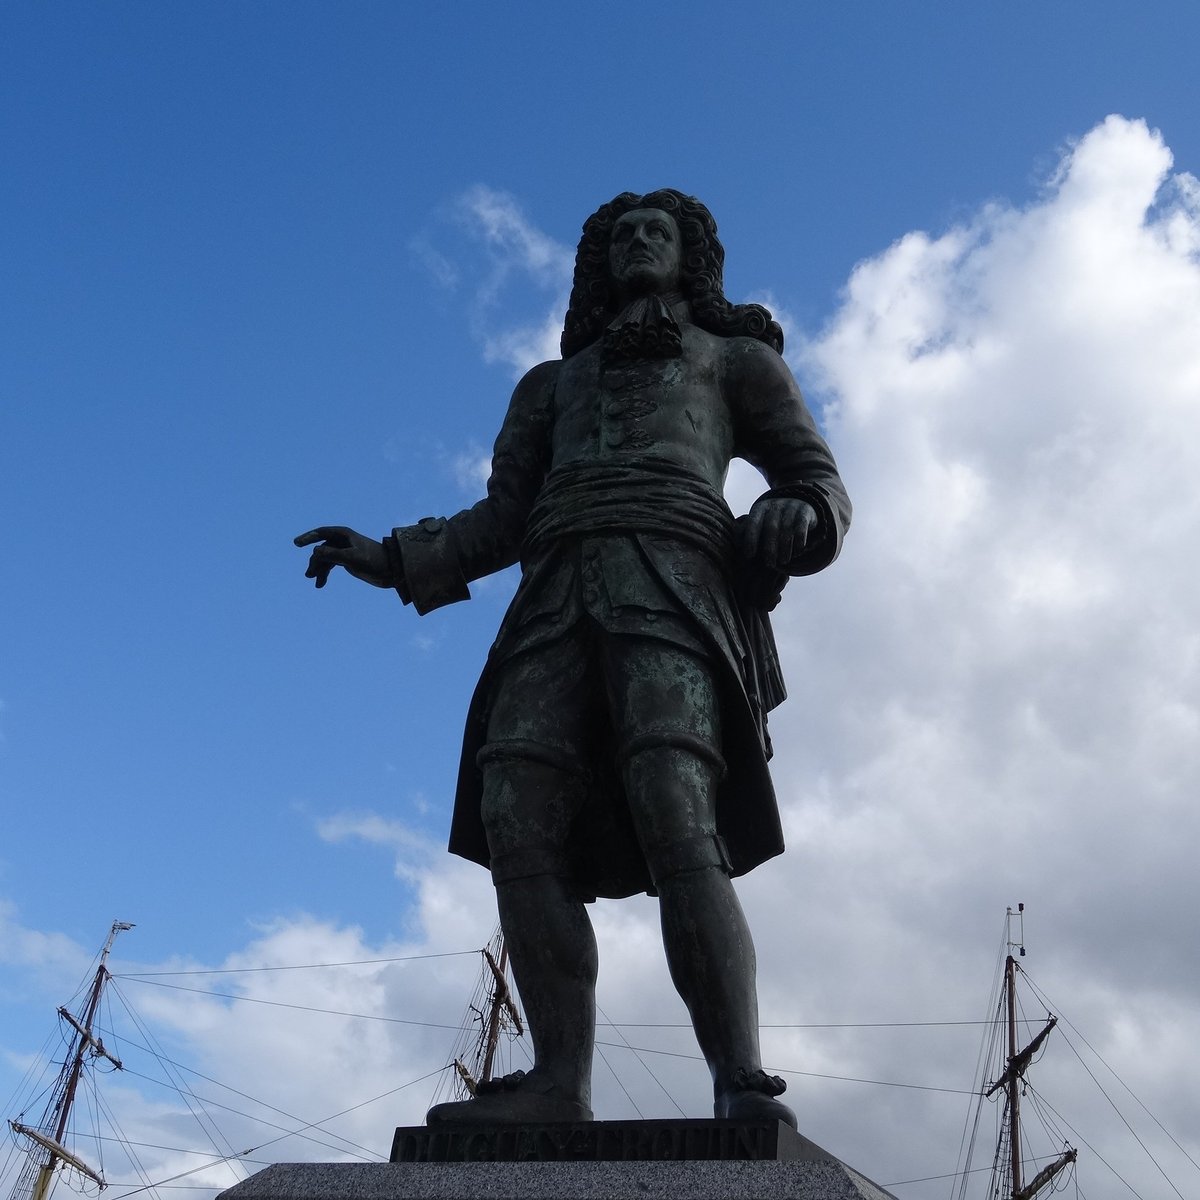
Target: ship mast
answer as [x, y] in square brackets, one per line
[498, 1009]
[1014, 1072]
[47, 1154]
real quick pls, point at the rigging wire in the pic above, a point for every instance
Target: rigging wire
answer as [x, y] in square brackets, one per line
[1124, 1121]
[988, 1051]
[272, 1141]
[90, 1095]
[237, 1112]
[920, 1087]
[211, 1130]
[646, 1067]
[333, 1012]
[125, 1144]
[987, 1048]
[1048, 1118]
[150, 1187]
[935, 1178]
[24, 1099]
[124, 1141]
[345, 1112]
[39, 1065]
[253, 1099]
[360, 962]
[806, 1024]
[621, 1084]
[191, 1187]
[1045, 1117]
[1092, 1149]
[1037, 991]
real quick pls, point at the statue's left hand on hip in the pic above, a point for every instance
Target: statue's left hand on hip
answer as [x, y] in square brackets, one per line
[776, 531]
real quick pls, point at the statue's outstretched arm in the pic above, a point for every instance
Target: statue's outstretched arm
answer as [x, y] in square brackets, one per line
[430, 563]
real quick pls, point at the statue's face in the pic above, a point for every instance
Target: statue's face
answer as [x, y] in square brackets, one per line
[644, 252]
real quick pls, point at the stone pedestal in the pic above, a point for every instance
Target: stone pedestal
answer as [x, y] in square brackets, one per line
[601, 1160]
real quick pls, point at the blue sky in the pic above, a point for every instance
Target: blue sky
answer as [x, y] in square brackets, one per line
[267, 266]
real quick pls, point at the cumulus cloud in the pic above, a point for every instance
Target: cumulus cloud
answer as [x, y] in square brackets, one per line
[998, 684]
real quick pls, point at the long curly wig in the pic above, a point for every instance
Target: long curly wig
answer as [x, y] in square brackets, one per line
[591, 306]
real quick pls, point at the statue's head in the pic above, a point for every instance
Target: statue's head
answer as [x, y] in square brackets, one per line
[645, 254]
[662, 242]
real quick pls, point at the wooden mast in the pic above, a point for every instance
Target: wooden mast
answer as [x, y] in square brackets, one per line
[496, 1007]
[1014, 1090]
[1014, 1073]
[57, 1116]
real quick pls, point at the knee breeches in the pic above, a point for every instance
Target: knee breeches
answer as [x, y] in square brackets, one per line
[557, 708]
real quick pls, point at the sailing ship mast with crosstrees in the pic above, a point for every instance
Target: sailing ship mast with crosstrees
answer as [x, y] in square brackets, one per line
[47, 1156]
[1009, 1164]
[489, 1028]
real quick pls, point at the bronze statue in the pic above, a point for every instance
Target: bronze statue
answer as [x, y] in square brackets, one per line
[617, 739]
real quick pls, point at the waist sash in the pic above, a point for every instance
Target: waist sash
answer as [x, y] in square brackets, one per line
[648, 495]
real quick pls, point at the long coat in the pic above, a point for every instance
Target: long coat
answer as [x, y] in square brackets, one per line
[644, 570]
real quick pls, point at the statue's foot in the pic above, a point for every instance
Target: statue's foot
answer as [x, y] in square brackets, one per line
[751, 1097]
[514, 1100]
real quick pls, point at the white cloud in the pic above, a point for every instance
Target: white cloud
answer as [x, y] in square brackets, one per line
[524, 346]
[515, 247]
[506, 259]
[472, 468]
[413, 850]
[439, 268]
[998, 687]
[23, 948]
[515, 242]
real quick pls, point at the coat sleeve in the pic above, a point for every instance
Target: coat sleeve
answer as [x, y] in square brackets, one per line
[437, 558]
[775, 432]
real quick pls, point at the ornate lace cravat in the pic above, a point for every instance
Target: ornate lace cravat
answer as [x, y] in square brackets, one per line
[645, 328]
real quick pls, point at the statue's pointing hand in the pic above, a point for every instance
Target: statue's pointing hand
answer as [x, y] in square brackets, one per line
[363, 557]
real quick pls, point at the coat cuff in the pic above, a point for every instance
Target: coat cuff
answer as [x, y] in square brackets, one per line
[428, 575]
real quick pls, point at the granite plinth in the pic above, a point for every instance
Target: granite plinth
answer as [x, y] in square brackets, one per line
[599, 1160]
[712, 1180]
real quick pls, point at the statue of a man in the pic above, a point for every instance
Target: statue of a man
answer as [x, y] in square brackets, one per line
[617, 739]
